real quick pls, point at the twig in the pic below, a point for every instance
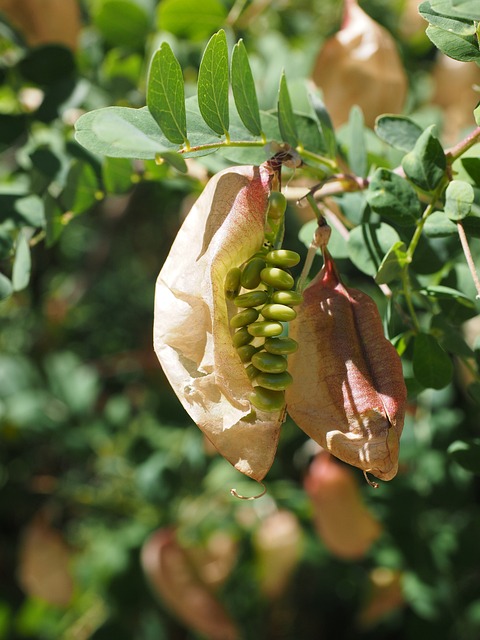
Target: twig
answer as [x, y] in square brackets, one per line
[468, 256]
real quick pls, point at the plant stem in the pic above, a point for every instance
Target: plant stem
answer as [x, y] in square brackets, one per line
[468, 256]
[459, 149]
[328, 162]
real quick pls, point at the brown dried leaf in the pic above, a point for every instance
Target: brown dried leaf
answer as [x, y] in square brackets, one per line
[171, 575]
[192, 337]
[341, 518]
[360, 65]
[348, 391]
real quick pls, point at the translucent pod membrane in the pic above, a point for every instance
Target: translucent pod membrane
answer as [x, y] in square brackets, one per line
[265, 301]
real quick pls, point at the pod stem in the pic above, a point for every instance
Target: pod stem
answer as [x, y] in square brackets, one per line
[240, 497]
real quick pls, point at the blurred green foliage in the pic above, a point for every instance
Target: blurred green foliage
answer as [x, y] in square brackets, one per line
[92, 438]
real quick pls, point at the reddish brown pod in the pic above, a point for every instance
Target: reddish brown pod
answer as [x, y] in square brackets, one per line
[341, 518]
[348, 391]
[174, 580]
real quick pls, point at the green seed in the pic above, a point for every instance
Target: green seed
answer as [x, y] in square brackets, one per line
[241, 337]
[274, 381]
[283, 258]
[250, 278]
[277, 278]
[246, 352]
[291, 298]
[267, 400]
[264, 329]
[251, 299]
[281, 346]
[252, 371]
[269, 362]
[232, 283]
[241, 319]
[277, 204]
[278, 312]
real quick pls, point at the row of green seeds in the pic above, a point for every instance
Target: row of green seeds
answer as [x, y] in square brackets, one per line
[269, 297]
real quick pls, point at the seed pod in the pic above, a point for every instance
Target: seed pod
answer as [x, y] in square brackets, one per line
[341, 518]
[277, 205]
[274, 381]
[348, 391]
[192, 336]
[243, 318]
[232, 283]
[251, 273]
[277, 278]
[241, 337]
[251, 299]
[267, 400]
[291, 298]
[281, 346]
[265, 329]
[280, 312]
[269, 362]
[174, 580]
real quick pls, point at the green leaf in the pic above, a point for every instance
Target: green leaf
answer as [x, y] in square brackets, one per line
[463, 48]
[432, 366]
[31, 211]
[439, 226]
[243, 88]
[447, 293]
[449, 23]
[459, 198]
[175, 160]
[6, 288]
[286, 120]
[191, 19]
[369, 243]
[323, 118]
[393, 198]
[81, 188]
[466, 453]
[166, 95]
[47, 64]
[398, 131]
[476, 115]
[357, 149]
[463, 8]
[53, 214]
[22, 263]
[472, 167]
[425, 165]
[122, 22]
[122, 132]
[117, 175]
[392, 264]
[213, 84]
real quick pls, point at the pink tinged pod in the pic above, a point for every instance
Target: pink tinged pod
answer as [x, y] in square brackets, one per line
[348, 391]
[360, 65]
[173, 579]
[192, 336]
[343, 522]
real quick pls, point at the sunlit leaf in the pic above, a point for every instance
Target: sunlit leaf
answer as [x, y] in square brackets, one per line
[190, 19]
[244, 92]
[286, 120]
[22, 263]
[166, 95]
[213, 78]
[399, 131]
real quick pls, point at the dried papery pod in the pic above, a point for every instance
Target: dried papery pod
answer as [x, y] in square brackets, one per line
[348, 391]
[192, 336]
[45, 21]
[171, 575]
[384, 596]
[360, 65]
[278, 544]
[343, 522]
[44, 569]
